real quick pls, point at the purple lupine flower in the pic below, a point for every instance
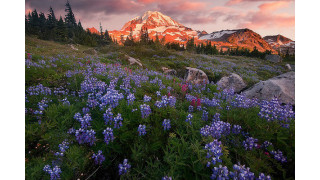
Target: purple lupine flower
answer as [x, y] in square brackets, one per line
[108, 116]
[117, 121]
[241, 172]
[130, 98]
[85, 110]
[189, 117]
[85, 136]
[86, 121]
[108, 135]
[250, 143]
[172, 101]
[77, 116]
[266, 144]
[166, 178]
[142, 130]
[62, 148]
[158, 93]
[205, 115]
[166, 124]
[236, 129]
[145, 110]
[263, 177]
[214, 152]
[124, 167]
[54, 172]
[216, 117]
[220, 172]
[216, 129]
[158, 104]
[164, 101]
[98, 158]
[278, 155]
[65, 102]
[190, 109]
[274, 111]
[146, 98]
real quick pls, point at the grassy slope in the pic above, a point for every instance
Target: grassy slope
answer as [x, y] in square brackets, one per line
[179, 153]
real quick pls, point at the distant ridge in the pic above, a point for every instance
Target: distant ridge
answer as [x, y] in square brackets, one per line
[169, 30]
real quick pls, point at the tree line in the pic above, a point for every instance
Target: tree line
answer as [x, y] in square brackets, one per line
[68, 30]
[65, 29]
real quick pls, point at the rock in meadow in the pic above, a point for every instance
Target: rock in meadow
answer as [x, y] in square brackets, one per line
[133, 61]
[288, 66]
[232, 81]
[169, 71]
[74, 48]
[274, 58]
[195, 76]
[281, 87]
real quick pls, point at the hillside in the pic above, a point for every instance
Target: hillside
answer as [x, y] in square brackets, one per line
[90, 113]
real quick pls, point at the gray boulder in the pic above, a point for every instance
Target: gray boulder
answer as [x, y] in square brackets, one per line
[133, 61]
[195, 76]
[169, 71]
[281, 86]
[233, 81]
[274, 58]
[288, 67]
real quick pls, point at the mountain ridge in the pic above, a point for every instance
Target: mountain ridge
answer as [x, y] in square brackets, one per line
[170, 30]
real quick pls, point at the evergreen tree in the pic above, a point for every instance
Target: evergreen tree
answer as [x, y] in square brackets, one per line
[80, 28]
[34, 22]
[42, 24]
[69, 19]
[221, 51]
[215, 50]
[129, 41]
[190, 45]
[107, 36]
[52, 21]
[144, 36]
[61, 30]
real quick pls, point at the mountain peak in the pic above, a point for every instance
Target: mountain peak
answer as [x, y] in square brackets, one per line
[151, 19]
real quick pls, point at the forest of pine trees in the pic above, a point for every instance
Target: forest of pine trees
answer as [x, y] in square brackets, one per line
[67, 30]
[63, 29]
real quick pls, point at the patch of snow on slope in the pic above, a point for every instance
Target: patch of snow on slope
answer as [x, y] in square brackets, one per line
[216, 35]
[137, 29]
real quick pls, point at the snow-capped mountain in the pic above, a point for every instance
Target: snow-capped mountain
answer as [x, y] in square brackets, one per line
[157, 24]
[169, 30]
[282, 43]
[277, 40]
[245, 38]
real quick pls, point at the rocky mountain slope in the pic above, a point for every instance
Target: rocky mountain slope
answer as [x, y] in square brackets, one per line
[282, 43]
[169, 30]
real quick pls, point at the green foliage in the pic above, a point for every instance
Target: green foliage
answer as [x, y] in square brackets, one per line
[178, 152]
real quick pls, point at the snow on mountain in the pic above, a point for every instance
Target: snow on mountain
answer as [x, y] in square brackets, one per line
[281, 43]
[216, 35]
[277, 40]
[169, 30]
[157, 24]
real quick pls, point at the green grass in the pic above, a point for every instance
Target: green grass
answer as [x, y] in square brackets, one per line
[178, 153]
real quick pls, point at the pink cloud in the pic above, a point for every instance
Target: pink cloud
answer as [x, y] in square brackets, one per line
[261, 19]
[191, 6]
[234, 2]
[273, 5]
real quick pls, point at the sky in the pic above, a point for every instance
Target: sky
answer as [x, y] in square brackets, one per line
[266, 17]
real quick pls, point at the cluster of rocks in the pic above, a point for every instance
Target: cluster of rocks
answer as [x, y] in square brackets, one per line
[281, 87]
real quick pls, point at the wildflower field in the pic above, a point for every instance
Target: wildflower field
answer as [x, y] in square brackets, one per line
[97, 117]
